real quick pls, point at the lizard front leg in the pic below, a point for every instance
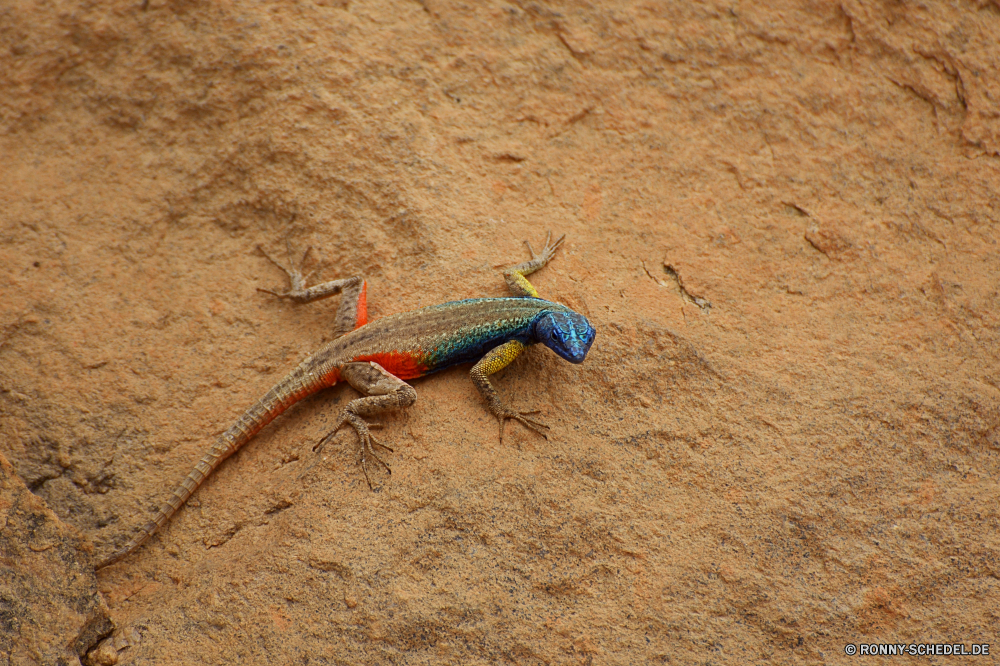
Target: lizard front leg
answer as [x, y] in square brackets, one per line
[353, 310]
[515, 276]
[495, 360]
[383, 392]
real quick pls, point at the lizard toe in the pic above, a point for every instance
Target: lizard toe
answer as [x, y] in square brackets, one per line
[522, 418]
[368, 443]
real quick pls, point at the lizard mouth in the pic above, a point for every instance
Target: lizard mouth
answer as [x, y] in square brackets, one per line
[578, 354]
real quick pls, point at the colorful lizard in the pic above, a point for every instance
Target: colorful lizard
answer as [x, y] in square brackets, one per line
[376, 357]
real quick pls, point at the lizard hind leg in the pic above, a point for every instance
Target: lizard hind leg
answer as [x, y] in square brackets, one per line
[353, 310]
[296, 278]
[383, 392]
[367, 441]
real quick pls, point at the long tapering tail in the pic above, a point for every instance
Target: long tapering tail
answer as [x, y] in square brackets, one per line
[299, 384]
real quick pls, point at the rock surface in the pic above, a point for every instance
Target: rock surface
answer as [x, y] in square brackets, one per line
[782, 220]
[50, 609]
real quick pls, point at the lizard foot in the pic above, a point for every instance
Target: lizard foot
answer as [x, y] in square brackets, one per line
[368, 442]
[522, 418]
[298, 291]
[548, 251]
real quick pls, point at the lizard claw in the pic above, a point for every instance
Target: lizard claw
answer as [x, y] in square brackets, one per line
[368, 442]
[522, 418]
[549, 250]
[294, 272]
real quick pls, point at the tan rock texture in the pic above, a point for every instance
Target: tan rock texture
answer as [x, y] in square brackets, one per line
[782, 219]
[50, 609]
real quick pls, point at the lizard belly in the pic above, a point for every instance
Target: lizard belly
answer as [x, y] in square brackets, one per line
[413, 364]
[404, 365]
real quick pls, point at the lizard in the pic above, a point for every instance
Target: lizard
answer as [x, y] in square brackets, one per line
[376, 357]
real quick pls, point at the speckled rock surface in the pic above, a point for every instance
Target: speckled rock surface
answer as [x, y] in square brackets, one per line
[782, 219]
[50, 609]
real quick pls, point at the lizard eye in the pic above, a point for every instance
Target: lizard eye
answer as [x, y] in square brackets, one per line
[555, 336]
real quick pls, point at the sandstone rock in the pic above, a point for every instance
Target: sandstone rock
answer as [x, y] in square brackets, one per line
[782, 218]
[50, 609]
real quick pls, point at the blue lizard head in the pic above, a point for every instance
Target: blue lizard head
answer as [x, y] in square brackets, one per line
[566, 333]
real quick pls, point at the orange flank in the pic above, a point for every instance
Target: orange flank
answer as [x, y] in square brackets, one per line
[332, 377]
[400, 364]
[362, 306]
